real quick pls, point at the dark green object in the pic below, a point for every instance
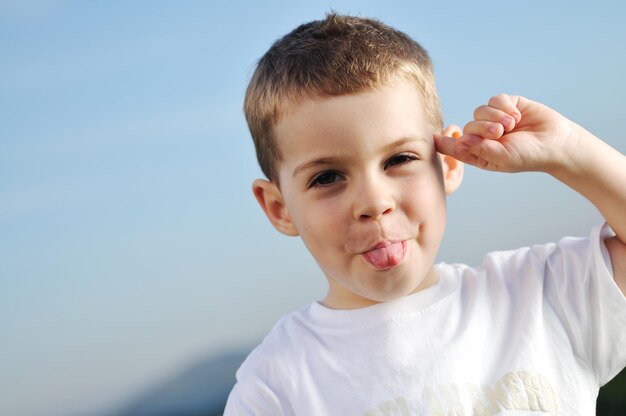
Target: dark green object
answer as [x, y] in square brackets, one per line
[612, 397]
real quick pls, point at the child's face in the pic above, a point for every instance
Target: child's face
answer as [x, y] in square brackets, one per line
[363, 186]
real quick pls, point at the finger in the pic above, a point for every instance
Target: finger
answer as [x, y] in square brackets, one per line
[507, 104]
[467, 149]
[462, 151]
[492, 155]
[446, 145]
[484, 129]
[451, 146]
[475, 151]
[487, 113]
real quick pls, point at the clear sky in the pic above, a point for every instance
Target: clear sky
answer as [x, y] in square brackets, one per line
[130, 243]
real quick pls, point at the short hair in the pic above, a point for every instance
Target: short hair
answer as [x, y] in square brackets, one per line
[339, 55]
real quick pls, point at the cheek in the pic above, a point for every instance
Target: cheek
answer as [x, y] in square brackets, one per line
[425, 195]
[320, 221]
[324, 234]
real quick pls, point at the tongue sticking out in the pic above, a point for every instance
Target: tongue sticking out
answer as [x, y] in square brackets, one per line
[386, 256]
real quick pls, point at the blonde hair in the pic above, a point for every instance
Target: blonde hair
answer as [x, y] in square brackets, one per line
[339, 55]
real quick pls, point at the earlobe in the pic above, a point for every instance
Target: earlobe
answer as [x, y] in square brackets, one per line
[271, 200]
[452, 168]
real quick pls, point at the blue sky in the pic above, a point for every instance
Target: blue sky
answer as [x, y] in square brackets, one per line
[130, 243]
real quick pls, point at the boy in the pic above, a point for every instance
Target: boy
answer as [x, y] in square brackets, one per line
[347, 127]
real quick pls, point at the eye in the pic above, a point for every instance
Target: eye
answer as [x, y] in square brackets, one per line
[401, 159]
[325, 179]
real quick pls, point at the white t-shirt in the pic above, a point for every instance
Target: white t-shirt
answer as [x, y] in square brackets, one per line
[533, 331]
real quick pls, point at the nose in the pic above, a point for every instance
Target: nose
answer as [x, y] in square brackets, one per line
[372, 200]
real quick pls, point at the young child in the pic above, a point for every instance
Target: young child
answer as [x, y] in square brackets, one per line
[347, 127]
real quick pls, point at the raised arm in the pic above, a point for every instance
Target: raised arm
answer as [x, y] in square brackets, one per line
[514, 134]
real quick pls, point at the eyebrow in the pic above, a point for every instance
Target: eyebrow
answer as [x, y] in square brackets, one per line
[401, 142]
[325, 161]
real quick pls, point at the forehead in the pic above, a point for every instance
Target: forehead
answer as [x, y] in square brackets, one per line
[352, 123]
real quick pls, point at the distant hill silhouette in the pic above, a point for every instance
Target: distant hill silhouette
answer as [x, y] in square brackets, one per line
[200, 390]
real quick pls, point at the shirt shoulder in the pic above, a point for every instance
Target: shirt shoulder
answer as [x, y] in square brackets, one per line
[264, 380]
[567, 285]
[278, 347]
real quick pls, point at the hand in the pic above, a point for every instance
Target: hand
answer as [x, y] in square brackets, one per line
[512, 134]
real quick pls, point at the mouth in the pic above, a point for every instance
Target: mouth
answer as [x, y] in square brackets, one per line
[384, 256]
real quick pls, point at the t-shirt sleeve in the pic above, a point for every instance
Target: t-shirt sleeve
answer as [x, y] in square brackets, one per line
[252, 398]
[259, 390]
[579, 286]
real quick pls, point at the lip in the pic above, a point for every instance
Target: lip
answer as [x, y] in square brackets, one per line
[381, 244]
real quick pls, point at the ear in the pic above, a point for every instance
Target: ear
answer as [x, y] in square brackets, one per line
[271, 200]
[452, 168]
